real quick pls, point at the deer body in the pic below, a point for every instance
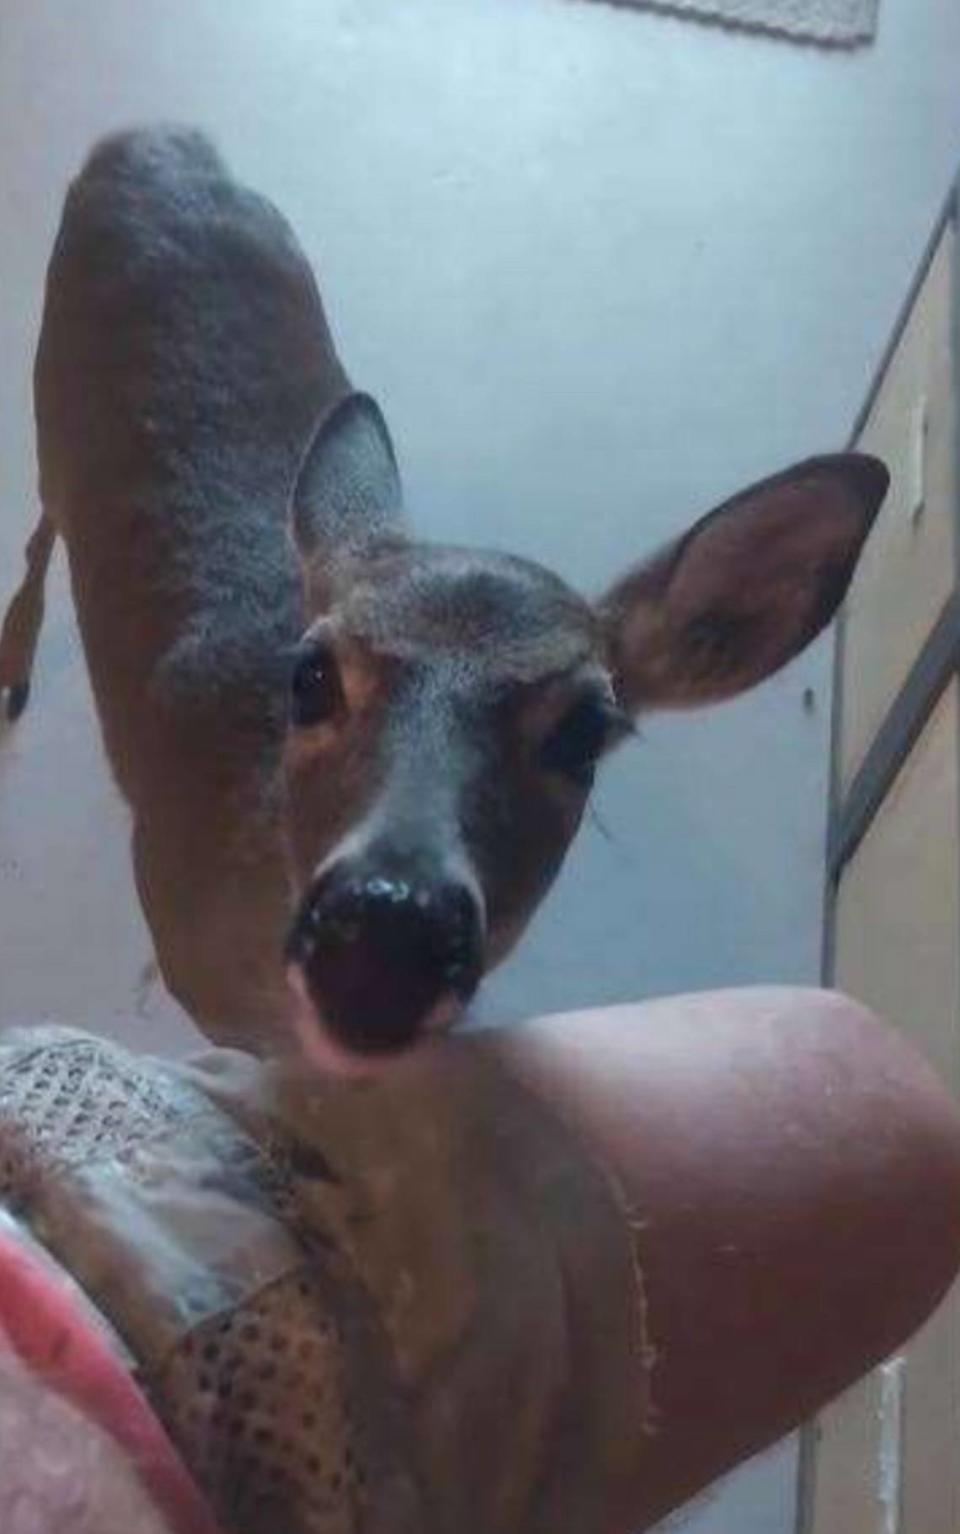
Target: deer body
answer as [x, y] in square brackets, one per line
[353, 761]
[183, 363]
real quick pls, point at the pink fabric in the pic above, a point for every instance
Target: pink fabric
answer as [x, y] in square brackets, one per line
[48, 1329]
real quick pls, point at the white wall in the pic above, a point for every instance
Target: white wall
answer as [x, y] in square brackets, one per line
[602, 267]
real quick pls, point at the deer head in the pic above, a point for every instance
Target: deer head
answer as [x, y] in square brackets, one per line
[449, 709]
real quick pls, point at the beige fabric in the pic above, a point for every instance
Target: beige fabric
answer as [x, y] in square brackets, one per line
[403, 1306]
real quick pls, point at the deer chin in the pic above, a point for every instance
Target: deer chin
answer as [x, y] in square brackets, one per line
[326, 1054]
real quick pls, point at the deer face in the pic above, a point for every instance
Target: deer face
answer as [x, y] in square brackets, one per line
[449, 707]
[448, 711]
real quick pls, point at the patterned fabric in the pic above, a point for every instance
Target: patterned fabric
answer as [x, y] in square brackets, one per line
[410, 1305]
[246, 1347]
[837, 22]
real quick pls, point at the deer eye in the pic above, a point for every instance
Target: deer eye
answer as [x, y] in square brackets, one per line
[575, 744]
[316, 693]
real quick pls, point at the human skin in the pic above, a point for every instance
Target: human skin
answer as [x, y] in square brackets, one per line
[792, 1170]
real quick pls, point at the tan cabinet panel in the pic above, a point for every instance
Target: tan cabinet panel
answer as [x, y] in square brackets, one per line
[898, 905]
[849, 1489]
[907, 569]
[887, 1455]
[930, 1474]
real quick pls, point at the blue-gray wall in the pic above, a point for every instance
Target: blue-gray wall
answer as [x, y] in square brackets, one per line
[602, 268]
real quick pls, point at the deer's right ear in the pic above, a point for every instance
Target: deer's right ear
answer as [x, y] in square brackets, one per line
[347, 491]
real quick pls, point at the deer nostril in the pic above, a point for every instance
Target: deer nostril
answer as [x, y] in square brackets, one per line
[382, 891]
[338, 917]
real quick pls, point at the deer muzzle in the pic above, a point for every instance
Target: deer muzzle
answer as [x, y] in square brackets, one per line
[384, 957]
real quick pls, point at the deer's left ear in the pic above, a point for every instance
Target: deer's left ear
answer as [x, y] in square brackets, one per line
[746, 589]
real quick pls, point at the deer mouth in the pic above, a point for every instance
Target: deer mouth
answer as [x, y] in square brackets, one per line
[323, 1047]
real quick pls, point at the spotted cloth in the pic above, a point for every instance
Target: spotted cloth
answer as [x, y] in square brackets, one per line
[403, 1306]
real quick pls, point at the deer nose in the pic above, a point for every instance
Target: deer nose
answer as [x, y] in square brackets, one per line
[385, 955]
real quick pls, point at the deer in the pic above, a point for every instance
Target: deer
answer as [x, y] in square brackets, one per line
[354, 760]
